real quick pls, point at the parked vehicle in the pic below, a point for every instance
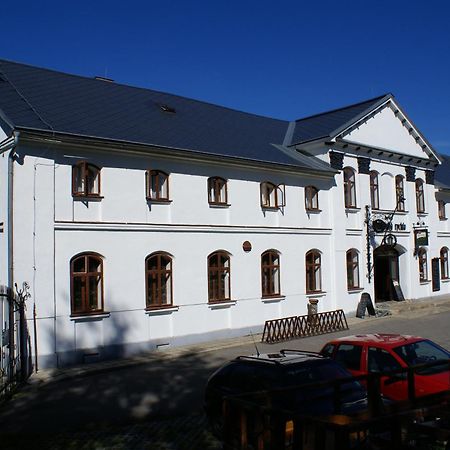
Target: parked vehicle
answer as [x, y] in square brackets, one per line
[385, 353]
[286, 369]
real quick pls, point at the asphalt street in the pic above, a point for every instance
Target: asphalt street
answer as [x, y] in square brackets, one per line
[167, 386]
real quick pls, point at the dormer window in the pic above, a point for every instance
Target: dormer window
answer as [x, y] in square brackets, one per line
[85, 180]
[157, 186]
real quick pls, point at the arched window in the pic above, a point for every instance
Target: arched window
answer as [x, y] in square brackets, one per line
[270, 273]
[444, 263]
[423, 266]
[217, 191]
[311, 198]
[86, 280]
[400, 193]
[349, 188]
[85, 180]
[420, 196]
[352, 269]
[313, 271]
[219, 282]
[374, 190]
[158, 279]
[157, 186]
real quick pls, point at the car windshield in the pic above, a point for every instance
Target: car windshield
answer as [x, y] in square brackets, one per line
[423, 352]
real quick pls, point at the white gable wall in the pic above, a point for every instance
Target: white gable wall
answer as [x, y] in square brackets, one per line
[385, 130]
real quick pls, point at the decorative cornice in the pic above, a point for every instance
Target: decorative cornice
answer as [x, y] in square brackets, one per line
[429, 176]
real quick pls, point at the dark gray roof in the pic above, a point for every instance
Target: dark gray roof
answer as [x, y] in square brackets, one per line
[442, 175]
[328, 124]
[33, 98]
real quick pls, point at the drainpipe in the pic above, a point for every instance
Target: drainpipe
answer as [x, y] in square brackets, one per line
[10, 209]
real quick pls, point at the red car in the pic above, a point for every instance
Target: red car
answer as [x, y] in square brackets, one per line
[367, 353]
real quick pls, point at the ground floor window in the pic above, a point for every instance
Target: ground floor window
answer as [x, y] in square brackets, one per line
[219, 277]
[158, 267]
[313, 271]
[270, 273]
[352, 269]
[423, 267]
[86, 273]
[444, 263]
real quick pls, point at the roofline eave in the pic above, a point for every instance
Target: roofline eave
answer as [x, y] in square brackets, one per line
[94, 142]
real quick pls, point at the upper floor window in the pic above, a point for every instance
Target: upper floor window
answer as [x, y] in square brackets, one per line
[441, 210]
[157, 185]
[85, 180]
[217, 191]
[374, 190]
[158, 279]
[400, 193]
[349, 188]
[272, 196]
[313, 271]
[423, 266]
[420, 196]
[270, 273]
[311, 198]
[86, 280]
[352, 269]
[444, 263]
[219, 277]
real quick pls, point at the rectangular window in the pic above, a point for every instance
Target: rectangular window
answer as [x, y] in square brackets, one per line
[441, 209]
[157, 186]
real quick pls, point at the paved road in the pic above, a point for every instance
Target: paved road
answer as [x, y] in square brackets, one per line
[166, 388]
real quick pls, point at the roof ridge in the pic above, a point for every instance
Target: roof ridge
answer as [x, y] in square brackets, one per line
[93, 79]
[345, 107]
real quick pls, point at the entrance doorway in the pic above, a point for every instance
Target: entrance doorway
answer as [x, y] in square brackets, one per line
[386, 274]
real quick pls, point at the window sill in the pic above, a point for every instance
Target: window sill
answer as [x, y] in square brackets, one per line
[313, 211]
[423, 282]
[273, 299]
[443, 219]
[445, 280]
[221, 304]
[316, 294]
[355, 290]
[89, 317]
[352, 209]
[270, 208]
[161, 310]
[219, 205]
[156, 200]
[422, 214]
[88, 198]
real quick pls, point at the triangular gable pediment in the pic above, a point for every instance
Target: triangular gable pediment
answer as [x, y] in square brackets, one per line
[388, 128]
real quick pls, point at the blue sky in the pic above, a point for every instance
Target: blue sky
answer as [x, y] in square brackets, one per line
[284, 59]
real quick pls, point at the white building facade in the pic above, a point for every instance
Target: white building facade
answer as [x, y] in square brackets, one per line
[129, 245]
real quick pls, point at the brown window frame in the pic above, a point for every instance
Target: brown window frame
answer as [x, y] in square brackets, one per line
[400, 192]
[443, 256]
[215, 187]
[313, 271]
[85, 277]
[423, 265]
[279, 195]
[311, 198]
[349, 188]
[160, 275]
[441, 210]
[219, 277]
[82, 171]
[352, 260]
[420, 196]
[270, 274]
[374, 190]
[156, 196]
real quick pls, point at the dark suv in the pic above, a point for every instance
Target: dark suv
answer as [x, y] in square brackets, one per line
[289, 369]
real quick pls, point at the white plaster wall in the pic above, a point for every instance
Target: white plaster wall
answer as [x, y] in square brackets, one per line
[385, 130]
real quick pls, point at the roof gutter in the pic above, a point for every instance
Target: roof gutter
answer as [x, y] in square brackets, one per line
[9, 145]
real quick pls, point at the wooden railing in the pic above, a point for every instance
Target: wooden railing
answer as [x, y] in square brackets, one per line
[294, 327]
